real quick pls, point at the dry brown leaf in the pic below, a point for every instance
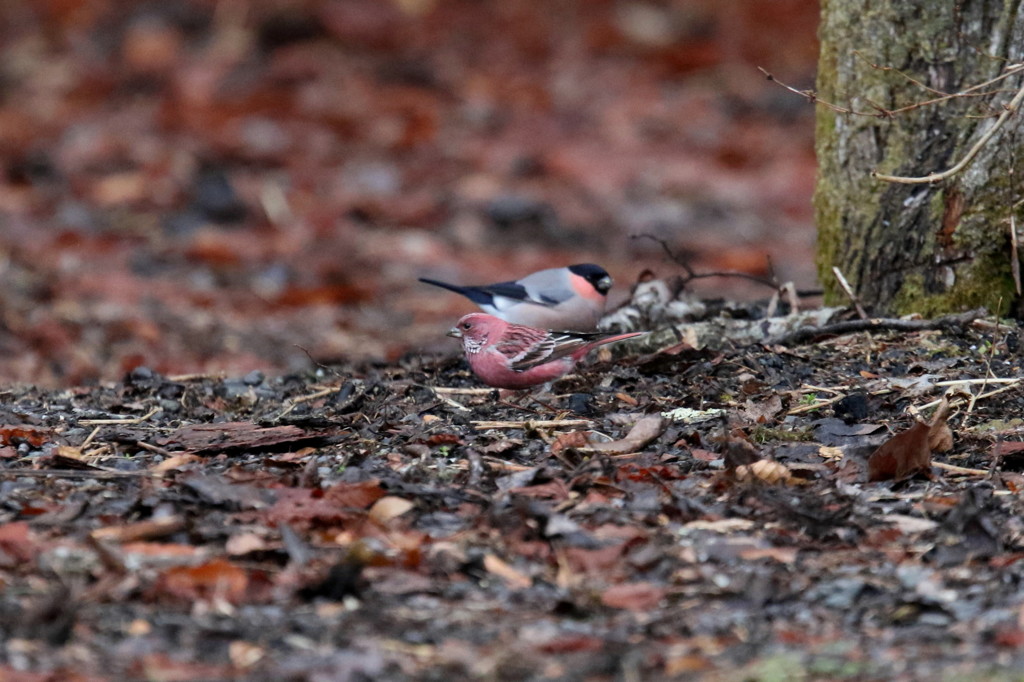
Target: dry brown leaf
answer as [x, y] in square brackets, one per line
[903, 455]
[387, 508]
[739, 452]
[762, 412]
[17, 544]
[643, 432]
[513, 578]
[1003, 448]
[641, 596]
[244, 543]
[910, 452]
[217, 579]
[765, 471]
[940, 436]
[576, 440]
[245, 654]
[174, 463]
[13, 434]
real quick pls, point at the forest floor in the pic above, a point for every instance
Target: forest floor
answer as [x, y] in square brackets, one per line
[235, 444]
[673, 513]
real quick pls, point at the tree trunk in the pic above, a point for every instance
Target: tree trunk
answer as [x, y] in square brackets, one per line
[935, 247]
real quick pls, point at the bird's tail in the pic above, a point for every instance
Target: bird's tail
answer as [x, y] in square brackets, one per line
[444, 285]
[475, 294]
[608, 339]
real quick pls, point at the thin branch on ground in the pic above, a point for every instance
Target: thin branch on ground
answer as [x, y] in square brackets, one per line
[531, 424]
[119, 421]
[810, 334]
[962, 471]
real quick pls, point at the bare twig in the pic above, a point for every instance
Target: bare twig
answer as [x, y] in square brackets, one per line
[88, 439]
[154, 448]
[531, 424]
[849, 292]
[1008, 111]
[987, 380]
[943, 96]
[975, 398]
[881, 112]
[807, 334]
[78, 473]
[691, 274]
[119, 421]
[444, 390]
[964, 471]
[812, 97]
[1014, 256]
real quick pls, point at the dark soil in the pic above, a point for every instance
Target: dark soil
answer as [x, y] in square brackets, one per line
[355, 523]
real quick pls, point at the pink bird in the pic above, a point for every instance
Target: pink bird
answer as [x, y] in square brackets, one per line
[506, 355]
[570, 298]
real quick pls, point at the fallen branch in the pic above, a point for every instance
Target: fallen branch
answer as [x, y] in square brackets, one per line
[119, 421]
[807, 334]
[531, 424]
[963, 471]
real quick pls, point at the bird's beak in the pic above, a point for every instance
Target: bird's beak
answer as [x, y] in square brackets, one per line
[454, 332]
[604, 283]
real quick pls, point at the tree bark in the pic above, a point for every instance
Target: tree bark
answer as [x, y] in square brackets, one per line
[937, 247]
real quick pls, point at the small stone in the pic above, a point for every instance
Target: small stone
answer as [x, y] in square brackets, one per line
[170, 406]
[140, 374]
[254, 378]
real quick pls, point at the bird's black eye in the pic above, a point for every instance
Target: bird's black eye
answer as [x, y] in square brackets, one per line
[466, 325]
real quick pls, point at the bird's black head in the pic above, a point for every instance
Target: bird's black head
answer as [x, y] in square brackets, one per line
[594, 274]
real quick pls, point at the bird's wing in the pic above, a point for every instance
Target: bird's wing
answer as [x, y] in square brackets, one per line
[514, 292]
[527, 347]
[549, 287]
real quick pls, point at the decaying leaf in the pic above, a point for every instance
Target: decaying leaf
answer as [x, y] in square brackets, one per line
[17, 544]
[16, 433]
[761, 411]
[640, 596]
[643, 432]
[216, 579]
[513, 578]
[903, 455]
[739, 452]
[390, 507]
[765, 471]
[940, 436]
[910, 452]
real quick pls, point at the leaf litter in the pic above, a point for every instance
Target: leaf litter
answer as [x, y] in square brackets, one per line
[408, 536]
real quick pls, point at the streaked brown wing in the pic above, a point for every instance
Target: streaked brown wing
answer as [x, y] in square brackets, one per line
[525, 347]
[549, 347]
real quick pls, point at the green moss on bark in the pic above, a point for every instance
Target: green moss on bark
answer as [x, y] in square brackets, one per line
[921, 248]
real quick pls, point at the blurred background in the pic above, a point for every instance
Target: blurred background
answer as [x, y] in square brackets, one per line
[224, 185]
